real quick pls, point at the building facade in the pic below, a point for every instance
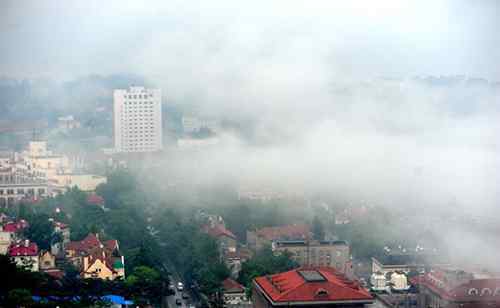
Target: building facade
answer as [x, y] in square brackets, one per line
[95, 258]
[318, 253]
[137, 120]
[25, 254]
[259, 238]
[309, 287]
[445, 288]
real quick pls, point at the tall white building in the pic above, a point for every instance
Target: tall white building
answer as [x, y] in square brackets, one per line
[137, 120]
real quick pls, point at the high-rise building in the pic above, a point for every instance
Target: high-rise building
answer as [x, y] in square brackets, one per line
[137, 120]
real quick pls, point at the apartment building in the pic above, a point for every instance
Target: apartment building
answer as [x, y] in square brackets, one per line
[317, 253]
[137, 120]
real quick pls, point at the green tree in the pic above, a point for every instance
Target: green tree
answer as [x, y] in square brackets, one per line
[40, 231]
[145, 285]
[265, 263]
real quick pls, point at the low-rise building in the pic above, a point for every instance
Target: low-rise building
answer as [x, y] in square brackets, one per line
[5, 242]
[25, 254]
[235, 258]
[233, 293]
[378, 282]
[96, 259]
[84, 181]
[307, 287]
[259, 238]
[405, 261]
[454, 288]
[47, 260]
[318, 253]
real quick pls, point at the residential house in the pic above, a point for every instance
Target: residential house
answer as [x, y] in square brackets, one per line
[259, 238]
[47, 260]
[309, 286]
[96, 259]
[5, 242]
[318, 253]
[403, 260]
[233, 293]
[14, 228]
[454, 288]
[25, 254]
[235, 259]
[216, 228]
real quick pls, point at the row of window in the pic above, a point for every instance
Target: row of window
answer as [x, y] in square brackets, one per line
[21, 191]
[138, 96]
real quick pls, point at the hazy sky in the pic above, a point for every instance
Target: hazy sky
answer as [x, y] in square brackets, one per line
[205, 38]
[283, 64]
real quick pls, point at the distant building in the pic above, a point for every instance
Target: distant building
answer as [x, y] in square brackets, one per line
[405, 261]
[309, 287]
[137, 120]
[193, 125]
[25, 254]
[84, 181]
[259, 238]
[318, 253]
[452, 288]
[216, 228]
[233, 293]
[234, 259]
[67, 123]
[196, 144]
[96, 259]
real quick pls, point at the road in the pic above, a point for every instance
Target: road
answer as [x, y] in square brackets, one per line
[171, 300]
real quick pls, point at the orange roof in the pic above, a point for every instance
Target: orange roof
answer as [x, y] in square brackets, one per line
[483, 289]
[218, 230]
[312, 284]
[284, 232]
[232, 286]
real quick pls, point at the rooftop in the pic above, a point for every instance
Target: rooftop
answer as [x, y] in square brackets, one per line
[287, 232]
[312, 284]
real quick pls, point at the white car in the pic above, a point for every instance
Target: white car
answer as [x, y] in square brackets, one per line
[180, 286]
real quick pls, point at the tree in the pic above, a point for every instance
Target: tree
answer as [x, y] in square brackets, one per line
[40, 230]
[145, 284]
[18, 297]
[265, 263]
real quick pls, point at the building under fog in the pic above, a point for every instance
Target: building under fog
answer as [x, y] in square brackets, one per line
[137, 120]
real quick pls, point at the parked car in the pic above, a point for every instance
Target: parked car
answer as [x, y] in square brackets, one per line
[185, 296]
[178, 302]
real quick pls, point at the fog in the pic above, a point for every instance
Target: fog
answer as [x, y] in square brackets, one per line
[328, 89]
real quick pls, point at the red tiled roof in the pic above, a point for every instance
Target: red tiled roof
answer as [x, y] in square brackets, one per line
[485, 288]
[88, 243]
[231, 286]
[15, 226]
[111, 244]
[95, 199]
[22, 250]
[284, 232]
[291, 286]
[218, 230]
